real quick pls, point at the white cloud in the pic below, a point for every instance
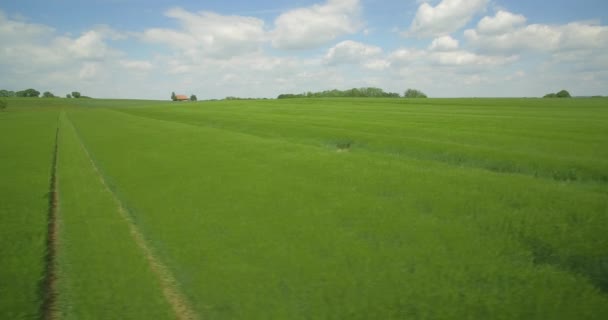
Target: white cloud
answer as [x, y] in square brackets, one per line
[351, 52]
[406, 56]
[209, 34]
[502, 22]
[446, 55]
[89, 71]
[214, 56]
[317, 25]
[506, 32]
[13, 31]
[377, 64]
[466, 58]
[90, 45]
[137, 65]
[445, 18]
[444, 43]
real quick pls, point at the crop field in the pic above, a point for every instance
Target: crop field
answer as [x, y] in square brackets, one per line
[304, 209]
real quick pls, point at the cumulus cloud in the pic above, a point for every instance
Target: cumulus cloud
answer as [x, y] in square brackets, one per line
[405, 56]
[445, 18]
[209, 34]
[34, 55]
[137, 65]
[12, 30]
[444, 43]
[317, 25]
[506, 32]
[351, 52]
[502, 22]
[377, 64]
[90, 45]
[214, 56]
[466, 58]
[445, 52]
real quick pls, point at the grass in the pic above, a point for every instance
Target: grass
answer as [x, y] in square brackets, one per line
[441, 208]
[26, 144]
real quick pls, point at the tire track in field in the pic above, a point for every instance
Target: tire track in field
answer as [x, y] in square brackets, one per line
[48, 308]
[180, 305]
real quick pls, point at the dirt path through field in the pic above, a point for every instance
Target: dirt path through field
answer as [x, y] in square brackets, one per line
[48, 288]
[169, 286]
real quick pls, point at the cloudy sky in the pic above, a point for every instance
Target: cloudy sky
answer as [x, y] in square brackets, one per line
[260, 48]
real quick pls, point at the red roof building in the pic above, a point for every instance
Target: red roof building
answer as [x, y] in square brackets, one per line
[181, 97]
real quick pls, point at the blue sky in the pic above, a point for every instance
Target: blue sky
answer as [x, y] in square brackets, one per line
[447, 48]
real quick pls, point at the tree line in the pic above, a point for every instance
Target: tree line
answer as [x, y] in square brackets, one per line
[33, 93]
[366, 92]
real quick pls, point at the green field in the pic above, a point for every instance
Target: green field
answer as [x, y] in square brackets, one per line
[307, 208]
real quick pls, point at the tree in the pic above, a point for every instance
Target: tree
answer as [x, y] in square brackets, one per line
[193, 98]
[3, 104]
[76, 94]
[173, 96]
[28, 93]
[413, 93]
[6, 93]
[69, 96]
[563, 94]
[48, 94]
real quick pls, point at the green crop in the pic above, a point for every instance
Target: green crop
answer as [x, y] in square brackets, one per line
[333, 208]
[102, 272]
[26, 153]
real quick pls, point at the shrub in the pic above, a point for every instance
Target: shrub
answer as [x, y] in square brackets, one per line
[561, 94]
[413, 93]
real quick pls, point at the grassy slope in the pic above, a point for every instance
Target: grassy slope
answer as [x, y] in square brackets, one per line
[102, 273]
[26, 146]
[257, 226]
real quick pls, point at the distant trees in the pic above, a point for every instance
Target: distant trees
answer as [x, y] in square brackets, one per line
[28, 93]
[367, 92]
[193, 98]
[413, 93]
[560, 94]
[173, 96]
[69, 96]
[7, 94]
[75, 94]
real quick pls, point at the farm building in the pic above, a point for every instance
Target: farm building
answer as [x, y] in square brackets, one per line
[181, 97]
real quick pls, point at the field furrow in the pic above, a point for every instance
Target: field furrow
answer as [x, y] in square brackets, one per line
[49, 309]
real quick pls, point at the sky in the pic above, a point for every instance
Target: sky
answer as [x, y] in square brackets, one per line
[261, 48]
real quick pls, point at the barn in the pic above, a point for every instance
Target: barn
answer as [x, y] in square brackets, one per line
[181, 97]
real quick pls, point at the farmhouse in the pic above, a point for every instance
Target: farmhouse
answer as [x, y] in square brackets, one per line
[181, 97]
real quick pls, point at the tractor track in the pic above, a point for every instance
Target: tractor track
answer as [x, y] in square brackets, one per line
[176, 299]
[48, 310]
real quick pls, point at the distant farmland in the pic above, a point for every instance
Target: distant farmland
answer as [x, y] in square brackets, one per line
[304, 209]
